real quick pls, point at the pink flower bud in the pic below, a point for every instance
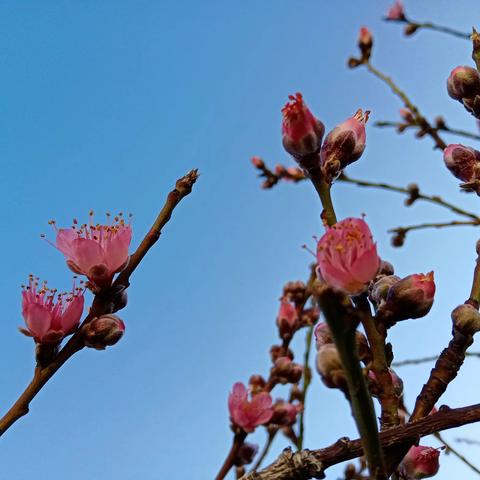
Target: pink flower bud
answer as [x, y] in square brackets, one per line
[396, 12]
[365, 42]
[466, 319]
[323, 335]
[285, 413]
[420, 462]
[463, 162]
[103, 331]
[379, 290]
[329, 366]
[410, 297]
[302, 132]
[258, 162]
[249, 414]
[407, 116]
[347, 256]
[344, 144]
[287, 319]
[375, 386]
[96, 251]
[463, 82]
[50, 316]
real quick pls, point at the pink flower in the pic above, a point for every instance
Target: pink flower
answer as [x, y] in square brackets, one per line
[396, 11]
[96, 251]
[347, 256]
[420, 462]
[246, 413]
[49, 316]
[344, 144]
[301, 132]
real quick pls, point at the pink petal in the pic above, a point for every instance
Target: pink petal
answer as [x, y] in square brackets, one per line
[64, 241]
[116, 250]
[366, 267]
[38, 319]
[71, 317]
[87, 253]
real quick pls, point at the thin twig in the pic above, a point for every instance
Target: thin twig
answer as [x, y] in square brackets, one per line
[431, 26]
[417, 361]
[455, 452]
[406, 126]
[421, 226]
[101, 305]
[266, 448]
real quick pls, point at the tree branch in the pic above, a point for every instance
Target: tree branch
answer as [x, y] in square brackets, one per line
[102, 304]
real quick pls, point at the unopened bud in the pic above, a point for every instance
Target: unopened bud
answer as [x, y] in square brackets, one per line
[329, 366]
[407, 116]
[277, 351]
[285, 413]
[245, 454]
[103, 331]
[463, 162]
[257, 384]
[476, 48]
[410, 297]
[365, 43]
[410, 29]
[463, 82]
[420, 462]
[376, 388]
[379, 290]
[466, 319]
[344, 144]
[302, 132]
[287, 319]
[257, 162]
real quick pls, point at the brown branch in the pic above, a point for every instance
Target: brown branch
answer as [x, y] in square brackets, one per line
[308, 464]
[102, 304]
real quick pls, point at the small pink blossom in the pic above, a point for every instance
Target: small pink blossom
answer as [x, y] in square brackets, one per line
[49, 316]
[249, 414]
[287, 318]
[347, 256]
[301, 132]
[420, 462]
[396, 11]
[94, 250]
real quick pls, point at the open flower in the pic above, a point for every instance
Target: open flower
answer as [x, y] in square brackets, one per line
[49, 316]
[347, 256]
[249, 414]
[94, 250]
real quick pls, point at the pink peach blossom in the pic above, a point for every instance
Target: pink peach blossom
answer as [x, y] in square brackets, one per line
[347, 256]
[49, 316]
[249, 414]
[94, 250]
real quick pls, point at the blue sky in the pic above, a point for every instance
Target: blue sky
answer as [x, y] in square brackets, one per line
[104, 105]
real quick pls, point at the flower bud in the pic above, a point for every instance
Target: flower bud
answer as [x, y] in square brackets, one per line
[376, 388]
[365, 43]
[386, 268]
[256, 383]
[295, 374]
[463, 162]
[285, 413]
[463, 82]
[466, 319]
[257, 162]
[277, 351]
[410, 297]
[407, 116]
[103, 331]
[302, 132]
[379, 290]
[396, 12]
[245, 454]
[287, 319]
[295, 290]
[344, 144]
[329, 366]
[420, 462]
[410, 29]
[323, 335]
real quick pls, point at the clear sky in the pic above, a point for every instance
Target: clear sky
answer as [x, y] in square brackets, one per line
[104, 104]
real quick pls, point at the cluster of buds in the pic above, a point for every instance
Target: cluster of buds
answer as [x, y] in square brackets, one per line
[302, 137]
[463, 85]
[420, 462]
[328, 362]
[284, 371]
[347, 256]
[402, 298]
[464, 163]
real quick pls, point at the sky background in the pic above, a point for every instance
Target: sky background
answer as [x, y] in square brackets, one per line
[104, 105]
